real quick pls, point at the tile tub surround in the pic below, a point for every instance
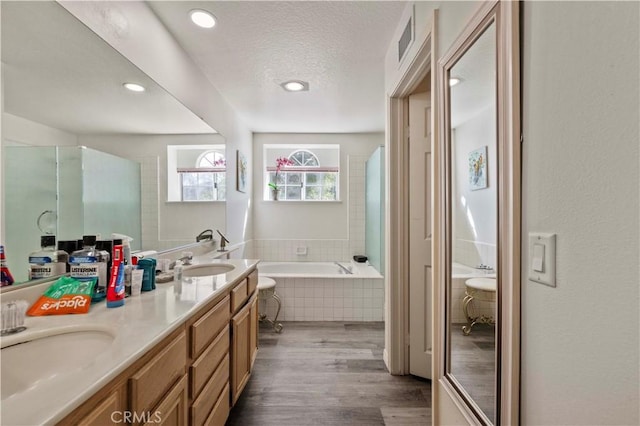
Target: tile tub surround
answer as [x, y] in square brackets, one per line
[327, 299]
[286, 250]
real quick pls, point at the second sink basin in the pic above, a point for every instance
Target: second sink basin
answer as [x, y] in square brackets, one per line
[37, 359]
[206, 270]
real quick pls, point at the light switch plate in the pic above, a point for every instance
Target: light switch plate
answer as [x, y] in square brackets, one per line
[548, 274]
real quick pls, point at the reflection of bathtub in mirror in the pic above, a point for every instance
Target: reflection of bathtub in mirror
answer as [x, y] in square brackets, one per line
[460, 274]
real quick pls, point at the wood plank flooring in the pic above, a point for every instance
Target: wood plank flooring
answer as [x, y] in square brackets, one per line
[328, 373]
[473, 363]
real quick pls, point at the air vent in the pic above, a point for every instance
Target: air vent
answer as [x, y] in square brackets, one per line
[404, 41]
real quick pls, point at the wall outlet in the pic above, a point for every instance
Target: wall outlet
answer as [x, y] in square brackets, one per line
[301, 251]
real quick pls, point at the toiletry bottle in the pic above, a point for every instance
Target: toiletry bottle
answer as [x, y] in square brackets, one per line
[105, 247]
[148, 265]
[6, 277]
[126, 246]
[116, 291]
[87, 264]
[47, 262]
[68, 246]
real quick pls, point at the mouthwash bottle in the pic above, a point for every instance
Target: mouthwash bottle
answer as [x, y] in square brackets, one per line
[47, 262]
[5, 276]
[89, 264]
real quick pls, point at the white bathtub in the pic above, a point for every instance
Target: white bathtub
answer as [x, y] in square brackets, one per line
[460, 274]
[323, 291]
[317, 270]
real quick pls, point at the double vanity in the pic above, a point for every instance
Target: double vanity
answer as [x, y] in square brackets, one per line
[178, 355]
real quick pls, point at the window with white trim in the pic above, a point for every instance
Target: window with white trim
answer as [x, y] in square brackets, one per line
[207, 181]
[306, 173]
[200, 173]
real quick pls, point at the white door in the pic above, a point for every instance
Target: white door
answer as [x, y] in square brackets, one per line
[420, 271]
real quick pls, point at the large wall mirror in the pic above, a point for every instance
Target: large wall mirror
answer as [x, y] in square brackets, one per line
[481, 218]
[473, 281]
[63, 89]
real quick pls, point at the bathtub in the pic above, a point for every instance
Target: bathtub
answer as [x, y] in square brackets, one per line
[461, 273]
[325, 291]
[317, 270]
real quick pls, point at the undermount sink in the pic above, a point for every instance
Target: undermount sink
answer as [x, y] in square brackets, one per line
[35, 358]
[207, 269]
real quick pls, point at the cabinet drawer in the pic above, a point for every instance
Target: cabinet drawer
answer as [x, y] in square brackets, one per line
[203, 331]
[104, 413]
[252, 281]
[153, 381]
[202, 406]
[220, 411]
[172, 410]
[239, 295]
[206, 364]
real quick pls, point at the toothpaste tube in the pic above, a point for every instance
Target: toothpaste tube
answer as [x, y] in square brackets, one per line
[115, 292]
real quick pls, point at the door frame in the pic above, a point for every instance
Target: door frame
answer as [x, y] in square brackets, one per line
[396, 353]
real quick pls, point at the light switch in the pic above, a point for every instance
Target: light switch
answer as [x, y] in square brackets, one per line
[538, 257]
[542, 258]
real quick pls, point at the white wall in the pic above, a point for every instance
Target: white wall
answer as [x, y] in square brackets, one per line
[475, 215]
[164, 224]
[21, 131]
[580, 347]
[134, 30]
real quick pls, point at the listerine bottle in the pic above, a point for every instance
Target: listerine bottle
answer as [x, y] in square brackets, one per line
[89, 264]
[47, 262]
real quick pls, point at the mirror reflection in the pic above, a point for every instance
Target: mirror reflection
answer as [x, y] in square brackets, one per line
[474, 189]
[81, 154]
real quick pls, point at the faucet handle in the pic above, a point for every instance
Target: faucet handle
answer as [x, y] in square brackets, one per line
[224, 239]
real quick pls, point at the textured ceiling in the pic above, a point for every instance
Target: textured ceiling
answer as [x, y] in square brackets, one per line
[338, 47]
[59, 73]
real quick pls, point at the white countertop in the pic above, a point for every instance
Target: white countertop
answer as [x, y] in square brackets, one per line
[138, 325]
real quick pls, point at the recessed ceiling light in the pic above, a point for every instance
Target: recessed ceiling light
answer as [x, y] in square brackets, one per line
[134, 87]
[295, 86]
[454, 80]
[202, 18]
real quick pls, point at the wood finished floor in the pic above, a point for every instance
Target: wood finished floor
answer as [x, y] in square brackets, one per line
[473, 363]
[328, 373]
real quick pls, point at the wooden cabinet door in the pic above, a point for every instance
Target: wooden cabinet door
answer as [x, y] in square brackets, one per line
[172, 410]
[240, 355]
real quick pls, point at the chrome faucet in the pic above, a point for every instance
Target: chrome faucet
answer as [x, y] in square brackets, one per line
[185, 260]
[207, 234]
[223, 241]
[484, 267]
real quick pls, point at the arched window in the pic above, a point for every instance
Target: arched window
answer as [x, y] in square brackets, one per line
[312, 173]
[211, 159]
[207, 181]
[304, 158]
